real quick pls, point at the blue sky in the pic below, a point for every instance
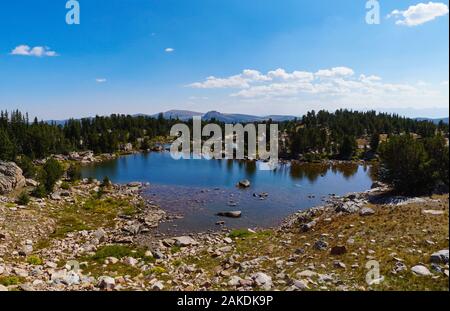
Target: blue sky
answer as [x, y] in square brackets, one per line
[146, 56]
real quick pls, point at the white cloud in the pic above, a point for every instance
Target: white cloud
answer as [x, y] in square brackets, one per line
[335, 72]
[419, 14]
[280, 83]
[100, 80]
[325, 88]
[37, 51]
[444, 83]
[169, 50]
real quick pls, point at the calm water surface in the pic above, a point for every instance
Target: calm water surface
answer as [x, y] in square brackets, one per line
[199, 189]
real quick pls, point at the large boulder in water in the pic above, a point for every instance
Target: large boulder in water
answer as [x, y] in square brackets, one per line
[11, 177]
[245, 183]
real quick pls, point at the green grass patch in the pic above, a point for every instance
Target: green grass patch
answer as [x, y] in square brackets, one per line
[11, 280]
[34, 260]
[92, 214]
[240, 233]
[119, 252]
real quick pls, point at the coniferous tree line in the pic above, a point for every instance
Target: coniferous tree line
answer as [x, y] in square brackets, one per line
[38, 139]
[335, 133]
[323, 132]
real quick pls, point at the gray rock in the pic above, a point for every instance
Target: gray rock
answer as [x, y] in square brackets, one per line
[11, 177]
[339, 264]
[433, 212]
[27, 249]
[262, 280]
[106, 283]
[436, 268]
[20, 272]
[158, 255]
[300, 284]
[348, 207]
[31, 183]
[130, 261]
[234, 281]
[158, 286]
[306, 274]
[421, 270]
[399, 267]
[321, 245]
[184, 241]
[245, 183]
[134, 228]
[3, 288]
[308, 226]
[100, 234]
[366, 212]
[232, 214]
[440, 257]
[71, 278]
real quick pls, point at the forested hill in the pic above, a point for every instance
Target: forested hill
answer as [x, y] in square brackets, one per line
[323, 131]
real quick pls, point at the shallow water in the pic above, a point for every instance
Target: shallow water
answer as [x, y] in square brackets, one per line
[199, 189]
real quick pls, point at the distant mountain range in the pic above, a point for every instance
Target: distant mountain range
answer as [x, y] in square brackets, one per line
[185, 115]
[435, 121]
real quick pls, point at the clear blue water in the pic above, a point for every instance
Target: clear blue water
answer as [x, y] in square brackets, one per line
[199, 189]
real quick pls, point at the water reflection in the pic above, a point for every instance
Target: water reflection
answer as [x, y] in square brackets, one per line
[200, 188]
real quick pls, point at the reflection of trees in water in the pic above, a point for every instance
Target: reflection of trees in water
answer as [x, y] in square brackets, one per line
[311, 171]
[346, 169]
[374, 171]
[250, 167]
[108, 169]
[229, 165]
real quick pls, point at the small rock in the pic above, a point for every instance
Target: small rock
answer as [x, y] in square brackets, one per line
[234, 281]
[366, 212]
[228, 240]
[399, 267]
[321, 245]
[106, 283]
[3, 288]
[433, 212]
[421, 270]
[231, 214]
[262, 280]
[339, 264]
[300, 284]
[184, 241]
[440, 257]
[130, 261]
[306, 274]
[245, 183]
[158, 286]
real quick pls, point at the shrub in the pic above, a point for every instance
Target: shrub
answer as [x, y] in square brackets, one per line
[414, 166]
[106, 182]
[27, 166]
[74, 172]
[34, 260]
[52, 172]
[39, 192]
[65, 186]
[23, 198]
